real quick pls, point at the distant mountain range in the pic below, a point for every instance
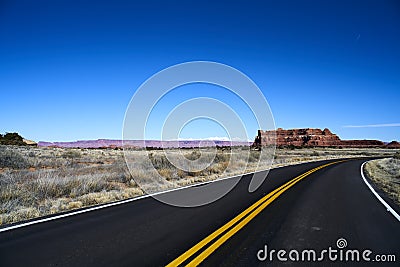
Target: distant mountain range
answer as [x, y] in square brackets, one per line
[106, 143]
[305, 137]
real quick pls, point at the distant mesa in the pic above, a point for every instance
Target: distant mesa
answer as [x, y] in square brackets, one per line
[313, 137]
[393, 144]
[118, 144]
[306, 137]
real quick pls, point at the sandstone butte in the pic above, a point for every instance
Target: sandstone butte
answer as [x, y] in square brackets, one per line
[310, 137]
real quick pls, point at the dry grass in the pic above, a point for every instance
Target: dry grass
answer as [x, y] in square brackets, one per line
[385, 173]
[40, 181]
[55, 180]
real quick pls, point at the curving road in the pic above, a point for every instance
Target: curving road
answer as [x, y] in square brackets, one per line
[302, 207]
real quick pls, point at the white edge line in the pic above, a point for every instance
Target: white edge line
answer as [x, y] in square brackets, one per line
[387, 206]
[102, 206]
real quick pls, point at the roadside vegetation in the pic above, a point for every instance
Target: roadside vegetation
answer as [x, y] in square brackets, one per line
[385, 173]
[41, 181]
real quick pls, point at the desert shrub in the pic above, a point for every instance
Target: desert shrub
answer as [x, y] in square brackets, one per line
[194, 173]
[12, 159]
[24, 213]
[254, 156]
[397, 155]
[315, 153]
[75, 205]
[222, 157]
[166, 173]
[194, 155]
[390, 166]
[215, 169]
[71, 154]
[181, 173]
[160, 162]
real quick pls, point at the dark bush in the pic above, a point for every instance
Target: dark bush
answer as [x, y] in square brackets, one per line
[12, 139]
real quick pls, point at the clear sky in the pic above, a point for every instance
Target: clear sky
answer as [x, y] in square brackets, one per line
[69, 68]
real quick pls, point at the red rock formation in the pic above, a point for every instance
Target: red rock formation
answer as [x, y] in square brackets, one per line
[310, 138]
[362, 143]
[393, 144]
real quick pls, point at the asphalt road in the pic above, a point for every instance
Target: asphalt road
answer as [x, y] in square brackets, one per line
[306, 212]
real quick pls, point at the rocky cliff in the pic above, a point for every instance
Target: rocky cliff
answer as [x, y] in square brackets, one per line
[309, 137]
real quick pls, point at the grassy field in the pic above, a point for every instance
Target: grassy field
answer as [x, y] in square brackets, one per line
[41, 181]
[385, 173]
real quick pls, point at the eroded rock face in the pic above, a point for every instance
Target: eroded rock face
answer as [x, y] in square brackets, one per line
[309, 137]
[393, 144]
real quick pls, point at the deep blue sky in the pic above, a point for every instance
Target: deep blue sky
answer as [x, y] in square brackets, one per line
[68, 69]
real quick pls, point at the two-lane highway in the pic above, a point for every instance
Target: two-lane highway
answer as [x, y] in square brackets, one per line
[298, 207]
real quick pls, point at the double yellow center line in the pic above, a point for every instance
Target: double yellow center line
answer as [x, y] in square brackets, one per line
[238, 223]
